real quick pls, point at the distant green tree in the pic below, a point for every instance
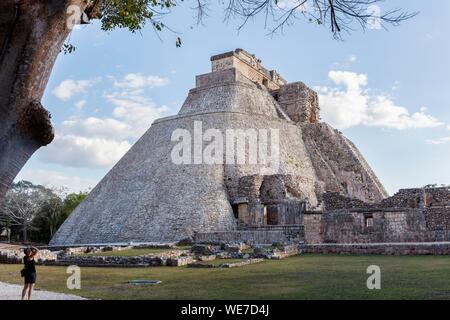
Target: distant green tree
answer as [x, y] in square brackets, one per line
[5, 227]
[35, 212]
[54, 211]
[46, 221]
[71, 201]
[22, 204]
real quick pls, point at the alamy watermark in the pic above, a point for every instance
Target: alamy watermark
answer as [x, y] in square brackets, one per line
[374, 280]
[74, 280]
[231, 146]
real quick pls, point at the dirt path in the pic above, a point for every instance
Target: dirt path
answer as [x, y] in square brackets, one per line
[14, 291]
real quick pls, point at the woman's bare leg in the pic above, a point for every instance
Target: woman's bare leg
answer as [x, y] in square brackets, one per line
[30, 290]
[25, 290]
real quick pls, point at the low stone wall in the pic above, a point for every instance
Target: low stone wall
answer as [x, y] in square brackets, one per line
[15, 256]
[225, 264]
[313, 228]
[424, 248]
[84, 248]
[268, 236]
[242, 263]
[277, 253]
[172, 259]
[404, 198]
[371, 225]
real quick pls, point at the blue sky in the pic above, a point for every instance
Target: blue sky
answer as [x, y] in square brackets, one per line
[388, 91]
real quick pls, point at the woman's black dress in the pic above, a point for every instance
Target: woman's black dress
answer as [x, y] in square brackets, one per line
[30, 270]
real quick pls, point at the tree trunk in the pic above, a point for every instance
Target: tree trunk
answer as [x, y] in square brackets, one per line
[25, 232]
[32, 33]
[51, 230]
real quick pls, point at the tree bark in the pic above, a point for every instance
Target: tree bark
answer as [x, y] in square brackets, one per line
[32, 33]
[25, 232]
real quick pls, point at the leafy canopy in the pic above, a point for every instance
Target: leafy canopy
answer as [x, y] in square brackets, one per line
[338, 15]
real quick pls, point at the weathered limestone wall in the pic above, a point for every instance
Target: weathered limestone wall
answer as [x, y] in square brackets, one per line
[220, 77]
[437, 197]
[288, 212]
[438, 218]
[299, 102]
[404, 198]
[350, 227]
[249, 66]
[411, 215]
[339, 165]
[235, 97]
[262, 236]
[313, 228]
[270, 188]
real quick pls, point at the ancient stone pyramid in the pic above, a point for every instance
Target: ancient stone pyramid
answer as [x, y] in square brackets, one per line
[147, 197]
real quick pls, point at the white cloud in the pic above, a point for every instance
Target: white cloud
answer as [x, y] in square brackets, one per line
[80, 104]
[68, 88]
[386, 114]
[57, 179]
[137, 111]
[78, 151]
[107, 128]
[140, 81]
[439, 141]
[344, 108]
[349, 103]
[101, 141]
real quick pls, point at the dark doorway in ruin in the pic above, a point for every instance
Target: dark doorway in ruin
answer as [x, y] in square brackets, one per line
[235, 208]
[272, 215]
[368, 220]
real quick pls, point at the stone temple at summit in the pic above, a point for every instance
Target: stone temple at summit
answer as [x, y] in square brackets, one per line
[313, 185]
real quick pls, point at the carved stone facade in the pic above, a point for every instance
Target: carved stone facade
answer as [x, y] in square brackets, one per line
[299, 102]
[249, 66]
[411, 215]
[268, 200]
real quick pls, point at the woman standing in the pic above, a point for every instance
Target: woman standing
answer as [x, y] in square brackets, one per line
[29, 271]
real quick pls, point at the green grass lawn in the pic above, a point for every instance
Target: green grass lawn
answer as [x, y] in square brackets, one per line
[135, 252]
[299, 277]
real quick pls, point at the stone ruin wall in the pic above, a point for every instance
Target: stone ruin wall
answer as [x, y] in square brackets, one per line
[339, 166]
[296, 100]
[262, 194]
[411, 215]
[260, 236]
[313, 227]
[299, 102]
[227, 76]
[249, 66]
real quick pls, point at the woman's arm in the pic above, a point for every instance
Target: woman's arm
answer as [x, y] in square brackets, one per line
[34, 251]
